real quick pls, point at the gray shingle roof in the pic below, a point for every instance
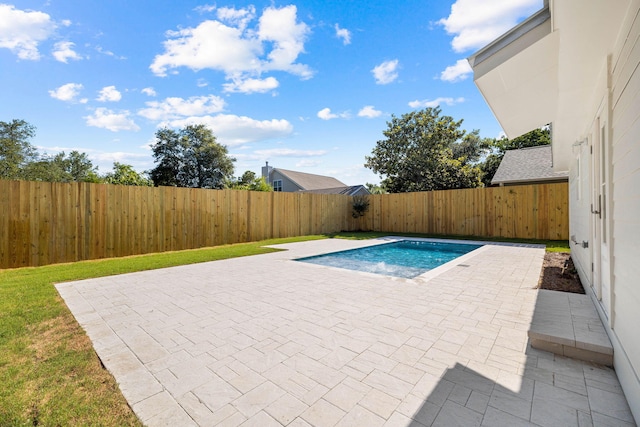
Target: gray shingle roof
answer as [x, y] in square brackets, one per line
[526, 165]
[349, 190]
[309, 181]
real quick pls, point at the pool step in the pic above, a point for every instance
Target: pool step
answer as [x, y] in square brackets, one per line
[568, 324]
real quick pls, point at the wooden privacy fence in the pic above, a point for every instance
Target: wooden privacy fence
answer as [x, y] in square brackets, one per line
[525, 211]
[44, 223]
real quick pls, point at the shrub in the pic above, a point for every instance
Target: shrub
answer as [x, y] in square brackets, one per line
[360, 205]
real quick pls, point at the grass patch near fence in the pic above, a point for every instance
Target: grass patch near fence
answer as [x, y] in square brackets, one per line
[49, 373]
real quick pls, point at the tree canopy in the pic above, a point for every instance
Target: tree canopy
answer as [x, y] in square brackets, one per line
[76, 167]
[20, 160]
[425, 151]
[123, 174]
[190, 157]
[16, 150]
[250, 181]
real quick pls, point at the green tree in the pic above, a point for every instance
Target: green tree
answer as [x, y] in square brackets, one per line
[123, 174]
[247, 178]
[250, 181]
[15, 149]
[376, 188]
[190, 157]
[260, 184]
[498, 147]
[61, 168]
[80, 168]
[425, 151]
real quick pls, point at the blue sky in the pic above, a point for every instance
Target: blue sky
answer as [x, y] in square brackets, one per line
[305, 85]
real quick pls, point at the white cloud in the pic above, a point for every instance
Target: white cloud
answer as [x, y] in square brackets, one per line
[344, 34]
[386, 72]
[369, 111]
[63, 52]
[109, 94]
[175, 108]
[326, 114]
[149, 91]
[122, 157]
[21, 31]
[475, 23]
[205, 8]
[228, 45]
[280, 27]
[108, 119]
[251, 85]
[228, 128]
[458, 72]
[289, 152]
[281, 152]
[236, 130]
[237, 17]
[209, 45]
[102, 51]
[68, 92]
[436, 102]
[308, 163]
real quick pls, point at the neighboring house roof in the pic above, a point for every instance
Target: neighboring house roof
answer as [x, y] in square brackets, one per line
[527, 165]
[352, 190]
[309, 181]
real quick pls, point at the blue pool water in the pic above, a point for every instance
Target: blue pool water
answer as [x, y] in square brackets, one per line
[406, 258]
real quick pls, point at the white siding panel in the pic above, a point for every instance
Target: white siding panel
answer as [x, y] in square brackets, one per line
[625, 153]
[627, 255]
[626, 212]
[625, 187]
[627, 61]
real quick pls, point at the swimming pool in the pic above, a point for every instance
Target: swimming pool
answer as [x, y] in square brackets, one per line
[404, 258]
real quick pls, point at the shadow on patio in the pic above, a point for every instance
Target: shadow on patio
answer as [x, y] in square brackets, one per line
[544, 389]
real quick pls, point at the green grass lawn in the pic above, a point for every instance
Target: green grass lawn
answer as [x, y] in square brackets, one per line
[49, 373]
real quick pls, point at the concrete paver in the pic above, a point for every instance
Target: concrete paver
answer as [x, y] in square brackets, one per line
[267, 340]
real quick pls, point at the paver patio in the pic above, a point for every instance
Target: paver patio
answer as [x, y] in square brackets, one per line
[264, 340]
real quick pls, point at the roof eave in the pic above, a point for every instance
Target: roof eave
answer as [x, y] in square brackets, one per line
[527, 32]
[531, 180]
[517, 75]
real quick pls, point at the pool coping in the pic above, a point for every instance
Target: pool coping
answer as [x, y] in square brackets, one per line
[428, 275]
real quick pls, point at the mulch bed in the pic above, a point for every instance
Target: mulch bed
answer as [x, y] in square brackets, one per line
[559, 274]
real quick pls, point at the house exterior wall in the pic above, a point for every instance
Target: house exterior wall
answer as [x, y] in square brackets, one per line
[625, 208]
[616, 103]
[287, 185]
[580, 211]
[362, 191]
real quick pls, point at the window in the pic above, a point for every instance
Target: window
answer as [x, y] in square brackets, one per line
[277, 185]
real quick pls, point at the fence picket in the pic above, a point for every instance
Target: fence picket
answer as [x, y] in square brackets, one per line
[45, 223]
